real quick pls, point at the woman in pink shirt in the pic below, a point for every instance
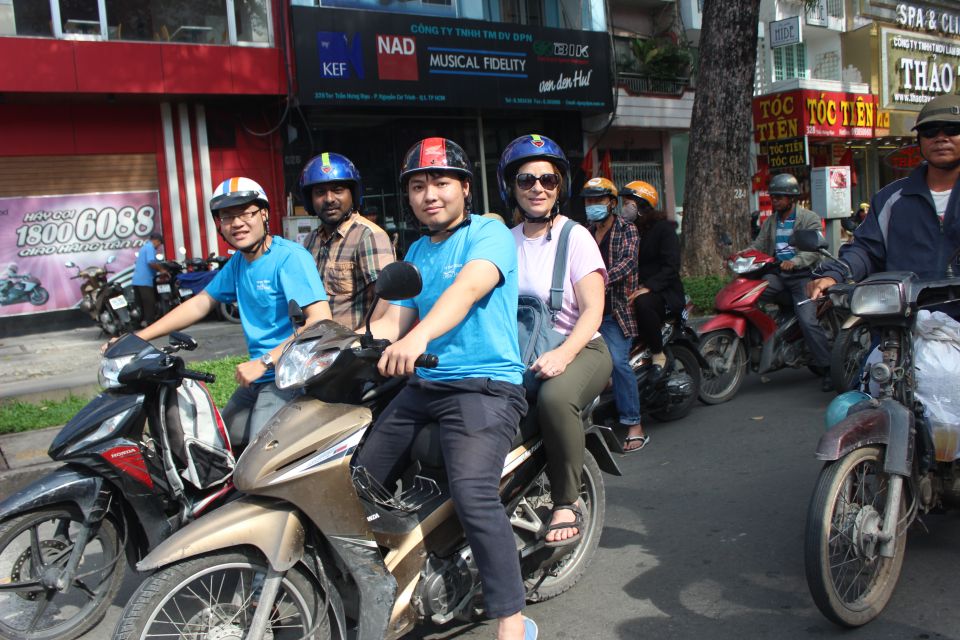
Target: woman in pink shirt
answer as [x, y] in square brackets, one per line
[534, 180]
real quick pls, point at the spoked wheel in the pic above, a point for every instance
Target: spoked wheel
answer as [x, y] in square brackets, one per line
[534, 513]
[215, 597]
[683, 382]
[850, 351]
[721, 380]
[848, 578]
[34, 548]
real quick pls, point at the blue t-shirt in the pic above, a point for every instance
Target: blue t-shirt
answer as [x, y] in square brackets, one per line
[142, 273]
[262, 290]
[484, 344]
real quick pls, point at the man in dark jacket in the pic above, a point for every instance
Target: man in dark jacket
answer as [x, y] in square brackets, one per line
[914, 222]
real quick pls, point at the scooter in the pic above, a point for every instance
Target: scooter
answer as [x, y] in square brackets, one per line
[142, 459]
[746, 334]
[316, 548]
[168, 295]
[110, 302]
[20, 288]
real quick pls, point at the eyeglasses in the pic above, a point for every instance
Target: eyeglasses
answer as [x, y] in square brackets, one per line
[246, 216]
[548, 181]
[933, 131]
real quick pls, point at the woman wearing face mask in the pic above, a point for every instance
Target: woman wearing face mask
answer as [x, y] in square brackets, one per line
[534, 180]
[618, 242]
[660, 290]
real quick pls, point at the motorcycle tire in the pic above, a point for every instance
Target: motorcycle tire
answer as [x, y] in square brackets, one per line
[850, 351]
[684, 361]
[550, 581]
[90, 595]
[230, 312]
[39, 296]
[164, 601]
[719, 387]
[846, 506]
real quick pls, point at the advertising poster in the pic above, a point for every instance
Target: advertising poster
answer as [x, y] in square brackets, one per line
[918, 68]
[41, 233]
[347, 57]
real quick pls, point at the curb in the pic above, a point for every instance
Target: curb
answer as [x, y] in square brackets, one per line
[20, 451]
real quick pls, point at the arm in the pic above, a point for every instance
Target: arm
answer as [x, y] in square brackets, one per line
[476, 279]
[390, 321]
[252, 370]
[624, 255]
[589, 291]
[865, 255]
[180, 317]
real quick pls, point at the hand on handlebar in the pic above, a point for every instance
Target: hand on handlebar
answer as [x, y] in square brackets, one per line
[816, 288]
[400, 358]
[787, 265]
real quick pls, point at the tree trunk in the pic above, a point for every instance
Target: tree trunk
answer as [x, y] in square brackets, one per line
[718, 170]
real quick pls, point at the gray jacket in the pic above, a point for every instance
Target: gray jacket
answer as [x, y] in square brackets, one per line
[767, 239]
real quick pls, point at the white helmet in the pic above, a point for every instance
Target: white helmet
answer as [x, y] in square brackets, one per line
[234, 192]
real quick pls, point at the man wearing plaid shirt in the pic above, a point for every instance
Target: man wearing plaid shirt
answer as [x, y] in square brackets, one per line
[349, 249]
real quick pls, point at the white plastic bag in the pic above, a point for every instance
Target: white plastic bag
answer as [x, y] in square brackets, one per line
[936, 354]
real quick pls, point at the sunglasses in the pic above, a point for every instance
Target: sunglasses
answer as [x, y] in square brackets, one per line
[548, 181]
[950, 130]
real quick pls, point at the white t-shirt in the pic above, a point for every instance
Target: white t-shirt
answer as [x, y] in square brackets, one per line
[940, 201]
[535, 258]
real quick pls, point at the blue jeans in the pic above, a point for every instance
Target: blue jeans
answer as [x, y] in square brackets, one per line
[249, 409]
[625, 391]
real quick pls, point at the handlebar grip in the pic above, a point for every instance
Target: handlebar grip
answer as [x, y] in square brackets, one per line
[198, 375]
[427, 361]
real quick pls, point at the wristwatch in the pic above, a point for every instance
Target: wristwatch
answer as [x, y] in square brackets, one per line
[267, 360]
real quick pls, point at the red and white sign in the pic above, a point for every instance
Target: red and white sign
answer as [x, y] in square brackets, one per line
[397, 57]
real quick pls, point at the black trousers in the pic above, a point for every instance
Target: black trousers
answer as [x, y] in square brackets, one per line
[650, 312]
[147, 299]
[478, 419]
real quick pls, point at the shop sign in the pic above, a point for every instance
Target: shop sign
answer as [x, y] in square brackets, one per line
[926, 19]
[904, 158]
[826, 114]
[42, 232]
[783, 154]
[785, 32]
[369, 58]
[917, 68]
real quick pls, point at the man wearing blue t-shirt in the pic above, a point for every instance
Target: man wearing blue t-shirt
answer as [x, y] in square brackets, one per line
[262, 277]
[466, 315]
[143, 276]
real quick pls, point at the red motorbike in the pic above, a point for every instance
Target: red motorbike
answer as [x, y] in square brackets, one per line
[747, 333]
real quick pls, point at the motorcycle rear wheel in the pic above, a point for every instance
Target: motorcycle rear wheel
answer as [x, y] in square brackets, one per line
[215, 593]
[849, 581]
[850, 351]
[684, 361]
[717, 387]
[230, 312]
[47, 535]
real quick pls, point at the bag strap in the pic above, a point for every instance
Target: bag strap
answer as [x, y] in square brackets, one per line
[560, 269]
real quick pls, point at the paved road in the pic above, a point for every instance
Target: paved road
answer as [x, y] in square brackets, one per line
[704, 538]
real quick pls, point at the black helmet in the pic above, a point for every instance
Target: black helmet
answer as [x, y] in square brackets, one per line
[784, 184]
[941, 109]
[435, 154]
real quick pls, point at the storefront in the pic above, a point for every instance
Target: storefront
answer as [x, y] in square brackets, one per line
[374, 83]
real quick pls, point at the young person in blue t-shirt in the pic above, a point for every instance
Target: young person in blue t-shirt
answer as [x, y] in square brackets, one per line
[467, 316]
[262, 277]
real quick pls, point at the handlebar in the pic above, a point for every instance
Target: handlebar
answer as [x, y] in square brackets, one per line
[427, 361]
[199, 375]
[374, 351]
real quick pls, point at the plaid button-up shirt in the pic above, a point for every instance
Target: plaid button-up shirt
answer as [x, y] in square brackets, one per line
[350, 260]
[620, 257]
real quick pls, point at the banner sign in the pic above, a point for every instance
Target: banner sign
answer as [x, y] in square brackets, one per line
[785, 32]
[822, 114]
[783, 154]
[347, 57]
[41, 233]
[916, 68]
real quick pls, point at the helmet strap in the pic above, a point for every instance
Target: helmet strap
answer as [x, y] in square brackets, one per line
[547, 219]
[451, 230]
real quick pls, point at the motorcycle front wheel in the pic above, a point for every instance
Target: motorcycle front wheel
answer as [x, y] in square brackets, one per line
[719, 383]
[215, 596]
[849, 580]
[850, 351]
[41, 542]
[39, 296]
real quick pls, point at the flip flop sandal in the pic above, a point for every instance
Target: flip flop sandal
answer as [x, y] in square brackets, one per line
[643, 440]
[576, 524]
[530, 630]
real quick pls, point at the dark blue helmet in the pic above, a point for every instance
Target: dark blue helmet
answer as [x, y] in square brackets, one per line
[524, 149]
[330, 167]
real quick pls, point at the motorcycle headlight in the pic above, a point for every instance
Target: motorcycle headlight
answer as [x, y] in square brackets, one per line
[741, 264]
[881, 299]
[110, 370]
[302, 362]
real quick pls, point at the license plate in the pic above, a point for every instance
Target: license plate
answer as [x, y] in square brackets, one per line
[118, 302]
[186, 292]
[163, 288]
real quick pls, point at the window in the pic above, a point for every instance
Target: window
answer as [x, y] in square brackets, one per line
[522, 12]
[826, 66]
[789, 62]
[25, 18]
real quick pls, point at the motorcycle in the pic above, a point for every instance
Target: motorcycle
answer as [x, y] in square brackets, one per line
[168, 296]
[110, 302]
[315, 547]
[745, 335]
[885, 463]
[142, 459]
[19, 288]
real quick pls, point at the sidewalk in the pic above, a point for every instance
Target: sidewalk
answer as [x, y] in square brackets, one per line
[54, 365]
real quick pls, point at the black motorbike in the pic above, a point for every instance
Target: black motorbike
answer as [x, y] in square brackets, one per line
[17, 288]
[109, 301]
[142, 459]
[168, 293]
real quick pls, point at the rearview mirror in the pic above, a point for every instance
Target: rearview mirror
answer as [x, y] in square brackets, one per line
[69, 263]
[808, 240]
[297, 317]
[398, 281]
[111, 259]
[182, 251]
[183, 341]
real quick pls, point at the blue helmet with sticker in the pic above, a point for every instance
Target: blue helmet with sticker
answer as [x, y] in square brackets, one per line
[330, 167]
[526, 149]
[839, 407]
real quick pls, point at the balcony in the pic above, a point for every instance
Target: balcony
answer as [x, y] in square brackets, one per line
[641, 84]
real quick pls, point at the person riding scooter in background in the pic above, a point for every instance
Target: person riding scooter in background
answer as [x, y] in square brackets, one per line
[658, 266]
[774, 240]
[534, 180]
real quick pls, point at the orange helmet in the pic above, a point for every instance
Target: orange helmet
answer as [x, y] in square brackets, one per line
[641, 190]
[598, 187]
